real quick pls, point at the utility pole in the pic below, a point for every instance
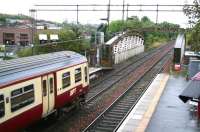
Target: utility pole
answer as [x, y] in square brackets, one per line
[157, 14]
[33, 23]
[127, 16]
[33, 27]
[108, 14]
[77, 11]
[123, 10]
[123, 15]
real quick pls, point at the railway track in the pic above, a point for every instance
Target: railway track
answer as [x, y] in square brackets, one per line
[121, 67]
[112, 117]
[80, 119]
[116, 76]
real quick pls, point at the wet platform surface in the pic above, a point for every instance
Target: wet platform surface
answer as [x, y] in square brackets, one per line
[171, 114]
[137, 120]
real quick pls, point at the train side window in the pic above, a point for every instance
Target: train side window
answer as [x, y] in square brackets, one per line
[86, 74]
[22, 97]
[2, 106]
[77, 74]
[51, 85]
[66, 81]
[16, 92]
[28, 88]
[44, 87]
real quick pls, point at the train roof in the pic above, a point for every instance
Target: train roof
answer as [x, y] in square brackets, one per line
[23, 68]
[180, 41]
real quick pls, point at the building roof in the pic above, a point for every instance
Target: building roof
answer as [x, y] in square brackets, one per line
[196, 77]
[120, 36]
[113, 39]
[180, 41]
[192, 91]
[193, 68]
[27, 67]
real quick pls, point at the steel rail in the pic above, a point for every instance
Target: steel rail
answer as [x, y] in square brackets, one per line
[103, 114]
[137, 63]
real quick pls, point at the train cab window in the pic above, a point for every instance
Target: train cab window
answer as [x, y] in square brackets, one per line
[22, 97]
[44, 87]
[86, 74]
[66, 79]
[51, 85]
[77, 74]
[2, 106]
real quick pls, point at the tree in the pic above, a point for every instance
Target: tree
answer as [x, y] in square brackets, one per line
[150, 38]
[116, 26]
[194, 38]
[193, 12]
[146, 22]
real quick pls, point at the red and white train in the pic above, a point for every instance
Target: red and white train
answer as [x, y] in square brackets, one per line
[34, 87]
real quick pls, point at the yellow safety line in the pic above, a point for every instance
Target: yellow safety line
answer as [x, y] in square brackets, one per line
[151, 108]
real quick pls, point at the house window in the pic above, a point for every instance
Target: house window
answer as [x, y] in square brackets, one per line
[78, 75]
[66, 79]
[2, 106]
[22, 97]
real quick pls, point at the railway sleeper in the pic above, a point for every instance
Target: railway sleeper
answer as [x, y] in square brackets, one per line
[110, 122]
[107, 125]
[122, 106]
[114, 116]
[127, 102]
[116, 113]
[122, 110]
[98, 128]
[111, 119]
[130, 96]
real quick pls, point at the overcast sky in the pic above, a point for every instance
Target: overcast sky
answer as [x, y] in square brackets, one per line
[23, 6]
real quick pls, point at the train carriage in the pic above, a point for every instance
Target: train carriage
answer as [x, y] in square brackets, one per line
[34, 87]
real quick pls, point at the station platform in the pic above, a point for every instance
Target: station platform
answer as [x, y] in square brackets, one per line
[94, 72]
[160, 109]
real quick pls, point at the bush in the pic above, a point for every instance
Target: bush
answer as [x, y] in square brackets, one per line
[2, 48]
[24, 52]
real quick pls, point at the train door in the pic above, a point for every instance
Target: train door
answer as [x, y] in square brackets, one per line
[48, 94]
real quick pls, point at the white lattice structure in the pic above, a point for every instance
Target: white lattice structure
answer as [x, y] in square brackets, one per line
[125, 46]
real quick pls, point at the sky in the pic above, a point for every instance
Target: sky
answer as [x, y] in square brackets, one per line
[23, 6]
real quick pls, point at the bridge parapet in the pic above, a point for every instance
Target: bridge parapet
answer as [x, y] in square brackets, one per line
[122, 46]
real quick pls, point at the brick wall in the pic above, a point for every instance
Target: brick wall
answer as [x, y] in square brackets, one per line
[17, 32]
